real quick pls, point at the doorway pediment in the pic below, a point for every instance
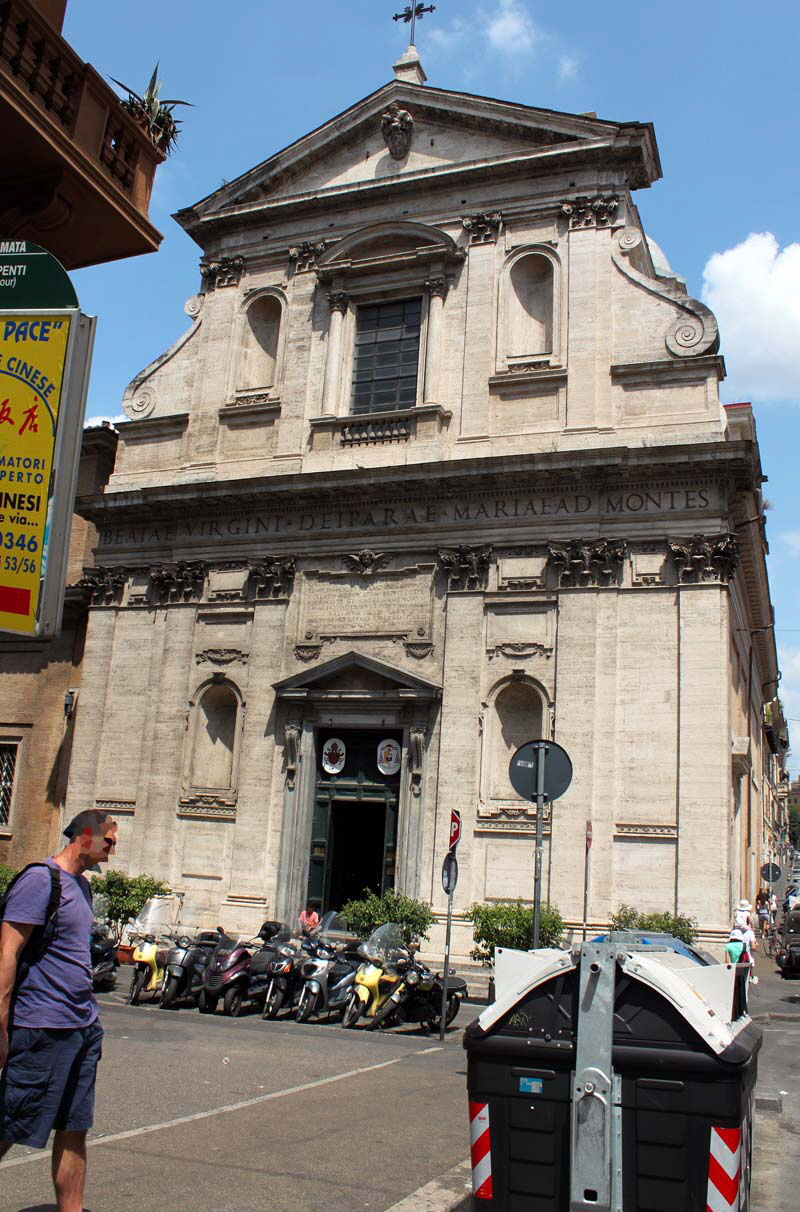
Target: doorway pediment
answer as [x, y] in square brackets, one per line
[356, 678]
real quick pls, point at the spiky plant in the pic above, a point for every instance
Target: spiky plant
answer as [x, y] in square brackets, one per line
[154, 115]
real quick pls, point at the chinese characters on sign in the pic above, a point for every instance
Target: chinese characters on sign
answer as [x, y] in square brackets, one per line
[33, 352]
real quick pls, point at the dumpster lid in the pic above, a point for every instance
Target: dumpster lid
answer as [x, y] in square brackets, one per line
[517, 972]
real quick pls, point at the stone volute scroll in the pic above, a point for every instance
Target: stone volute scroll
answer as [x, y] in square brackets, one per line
[483, 226]
[304, 255]
[596, 211]
[466, 567]
[416, 745]
[695, 330]
[291, 738]
[221, 271]
[701, 558]
[397, 128]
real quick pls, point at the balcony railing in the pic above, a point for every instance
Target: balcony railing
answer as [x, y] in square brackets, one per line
[40, 67]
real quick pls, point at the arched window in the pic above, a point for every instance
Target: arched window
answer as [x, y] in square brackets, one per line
[212, 752]
[258, 357]
[517, 717]
[529, 320]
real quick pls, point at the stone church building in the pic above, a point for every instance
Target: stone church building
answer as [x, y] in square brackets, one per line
[439, 467]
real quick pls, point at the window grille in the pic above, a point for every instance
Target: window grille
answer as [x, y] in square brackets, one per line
[8, 765]
[386, 355]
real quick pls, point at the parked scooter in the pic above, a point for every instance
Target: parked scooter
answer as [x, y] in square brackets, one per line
[285, 979]
[392, 986]
[273, 935]
[328, 975]
[227, 975]
[104, 959]
[149, 964]
[185, 965]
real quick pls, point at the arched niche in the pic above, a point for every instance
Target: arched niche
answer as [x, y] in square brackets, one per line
[257, 366]
[211, 765]
[516, 711]
[529, 308]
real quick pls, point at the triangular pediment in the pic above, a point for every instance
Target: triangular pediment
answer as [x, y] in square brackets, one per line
[450, 131]
[356, 675]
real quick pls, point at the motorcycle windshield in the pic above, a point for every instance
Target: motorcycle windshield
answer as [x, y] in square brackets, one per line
[332, 929]
[155, 916]
[386, 945]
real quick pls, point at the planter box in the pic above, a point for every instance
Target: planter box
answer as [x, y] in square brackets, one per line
[125, 953]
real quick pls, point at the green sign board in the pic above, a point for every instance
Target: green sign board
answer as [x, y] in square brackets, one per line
[32, 278]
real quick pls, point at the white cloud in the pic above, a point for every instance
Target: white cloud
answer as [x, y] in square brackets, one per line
[754, 291]
[568, 67]
[792, 540]
[511, 29]
[98, 420]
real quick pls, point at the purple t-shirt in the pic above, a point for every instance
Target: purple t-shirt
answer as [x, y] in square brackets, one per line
[57, 990]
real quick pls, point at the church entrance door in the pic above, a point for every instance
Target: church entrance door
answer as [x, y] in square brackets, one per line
[354, 830]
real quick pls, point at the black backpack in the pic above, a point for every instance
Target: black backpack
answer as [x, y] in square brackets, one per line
[43, 935]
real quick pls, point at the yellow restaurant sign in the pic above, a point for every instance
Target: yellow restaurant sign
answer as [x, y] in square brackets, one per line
[33, 355]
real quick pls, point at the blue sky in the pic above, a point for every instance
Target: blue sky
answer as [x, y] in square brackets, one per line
[719, 80]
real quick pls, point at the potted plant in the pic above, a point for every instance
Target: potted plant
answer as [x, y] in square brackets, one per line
[154, 115]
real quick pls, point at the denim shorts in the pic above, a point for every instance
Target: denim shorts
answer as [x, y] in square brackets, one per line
[48, 1082]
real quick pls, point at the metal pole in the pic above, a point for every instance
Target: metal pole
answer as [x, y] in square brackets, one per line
[446, 972]
[541, 755]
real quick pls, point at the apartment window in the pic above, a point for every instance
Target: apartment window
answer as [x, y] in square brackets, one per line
[386, 355]
[8, 767]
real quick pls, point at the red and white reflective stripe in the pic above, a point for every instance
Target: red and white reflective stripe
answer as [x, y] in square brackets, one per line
[481, 1151]
[724, 1170]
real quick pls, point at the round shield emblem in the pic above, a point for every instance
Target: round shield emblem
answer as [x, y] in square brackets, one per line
[388, 757]
[333, 755]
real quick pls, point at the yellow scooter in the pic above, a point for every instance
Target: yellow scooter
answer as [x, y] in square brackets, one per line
[386, 957]
[149, 966]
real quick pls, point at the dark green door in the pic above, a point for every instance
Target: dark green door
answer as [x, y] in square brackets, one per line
[354, 829]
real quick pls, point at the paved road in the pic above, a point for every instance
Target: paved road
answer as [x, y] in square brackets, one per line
[243, 1114]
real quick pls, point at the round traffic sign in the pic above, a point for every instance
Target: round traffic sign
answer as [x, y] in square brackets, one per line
[557, 770]
[771, 872]
[450, 872]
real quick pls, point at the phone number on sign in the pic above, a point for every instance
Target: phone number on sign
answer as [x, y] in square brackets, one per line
[19, 564]
[9, 541]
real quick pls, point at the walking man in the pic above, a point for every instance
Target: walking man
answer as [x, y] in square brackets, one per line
[50, 1036]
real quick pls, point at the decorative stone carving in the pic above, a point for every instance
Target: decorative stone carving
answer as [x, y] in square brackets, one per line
[416, 746]
[291, 738]
[695, 331]
[338, 300]
[580, 563]
[418, 650]
[141, 405]
[705, 559]
[183, 581]
[115, 807]
[206, 806]
[305, 254]
[482, 227]
[272, 576]
[466, 567]
[591, 212]
[307, 652]
[397, 128]
[366, 562]
[221, 656]
[645, 831]
[225, 271]
[521, 368]
[437, 287]
[251, 397]
[193, 306]
[106, 585]
[519, 650]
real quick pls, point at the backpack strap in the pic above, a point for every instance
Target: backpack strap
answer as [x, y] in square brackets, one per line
[41, 935]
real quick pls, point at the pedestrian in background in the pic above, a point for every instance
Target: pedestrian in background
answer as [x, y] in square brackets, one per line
[763, 913]
[309, 918]
[734, 946]
[50, 1036]
[773, 908]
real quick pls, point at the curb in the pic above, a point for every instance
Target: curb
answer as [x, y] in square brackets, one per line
[450, 1192]
[776, 1017]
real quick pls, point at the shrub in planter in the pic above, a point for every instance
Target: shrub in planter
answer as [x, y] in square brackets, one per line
[414, 918]
[629, 918]
[510, 924]
[6, 876]
[125, 895]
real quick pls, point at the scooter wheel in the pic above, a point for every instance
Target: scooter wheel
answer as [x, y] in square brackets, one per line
[272, 1004]
[170, 992]
[138, 982]
[232, 1002]
[306, 1006]
[352, 1011]
[206, 1004]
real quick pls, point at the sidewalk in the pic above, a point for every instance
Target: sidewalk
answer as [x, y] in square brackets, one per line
[775, 1006]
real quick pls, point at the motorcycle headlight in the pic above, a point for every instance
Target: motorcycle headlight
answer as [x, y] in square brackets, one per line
[412, 977]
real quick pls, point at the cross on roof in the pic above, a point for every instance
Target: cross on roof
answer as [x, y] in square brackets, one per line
[411, 13]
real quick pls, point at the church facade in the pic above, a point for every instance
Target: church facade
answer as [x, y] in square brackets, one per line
[438, 467]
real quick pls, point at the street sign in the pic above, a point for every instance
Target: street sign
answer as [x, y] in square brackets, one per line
[455, 828]
[45, 352]
[771, 872]
[450, 872]
[557, 770]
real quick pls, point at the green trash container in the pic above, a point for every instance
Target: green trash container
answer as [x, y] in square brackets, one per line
[617, 1078]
